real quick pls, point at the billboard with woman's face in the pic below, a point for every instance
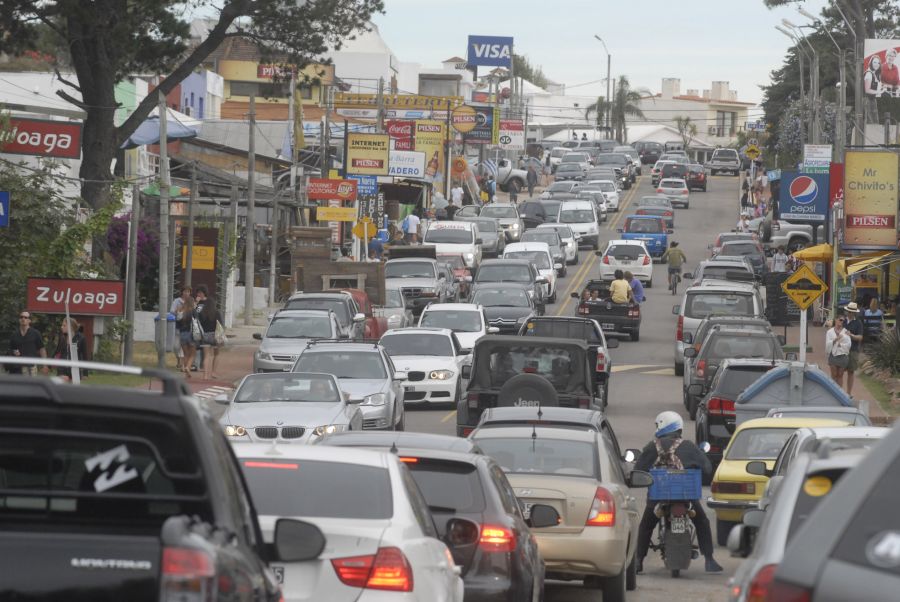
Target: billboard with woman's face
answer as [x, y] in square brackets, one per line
[881, 68]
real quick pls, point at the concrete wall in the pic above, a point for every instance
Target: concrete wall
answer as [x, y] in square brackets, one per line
[260, 301]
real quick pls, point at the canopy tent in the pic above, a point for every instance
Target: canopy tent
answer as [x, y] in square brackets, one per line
[852, 265]
[178, 125]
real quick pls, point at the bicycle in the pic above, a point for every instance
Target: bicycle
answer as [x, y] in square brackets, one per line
[674, 278]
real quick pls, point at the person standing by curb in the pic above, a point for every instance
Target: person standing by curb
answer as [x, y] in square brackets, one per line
[209, 317]
[837, 347]
[26, 341]
[854, 327]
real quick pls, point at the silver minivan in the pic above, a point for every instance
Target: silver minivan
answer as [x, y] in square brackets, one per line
[721, 297]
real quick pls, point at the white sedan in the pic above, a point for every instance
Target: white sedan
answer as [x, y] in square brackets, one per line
[433, 360]
[538, 253]
[627, 255]
[376, 536]
[466, 320]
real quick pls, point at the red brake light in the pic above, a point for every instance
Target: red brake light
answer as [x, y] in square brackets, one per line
[659, 190]
[647, 260]
[606, 259]
[601, 361]
[603, 510]
[786, 592]
[497, 539]
[186, 572]
[716, 406]
[387, 570]
[684, 191]
[467, 430]
[583, 402]
[679, 330]
[733, 488]
[701, 367]
[761, 584]
[668, 214]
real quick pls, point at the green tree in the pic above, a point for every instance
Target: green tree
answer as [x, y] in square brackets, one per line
[599, 109]
[523, 68]
[109, 40]
[687, 129]
[625, 104]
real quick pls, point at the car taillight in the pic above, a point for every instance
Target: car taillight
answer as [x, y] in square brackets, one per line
[659, 190]
[583, 309]
[606, 259]
[497, 539]
[733, 488]
[467, 430]
[472, 400]
[701, 367]
[387, 570]
[647, 260]
[761, 584]
[187, 573]
[787, 592]
[601, 361]
[716, 406]
[684, 191]
[668, 214]
[603, 510]
[583, 402]
[634, 312]
[679, 330]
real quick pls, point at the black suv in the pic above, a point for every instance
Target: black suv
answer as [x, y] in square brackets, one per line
[621, 161]
[111, 493]
[649, 152]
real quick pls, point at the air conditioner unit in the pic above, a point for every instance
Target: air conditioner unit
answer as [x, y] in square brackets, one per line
[713, 130]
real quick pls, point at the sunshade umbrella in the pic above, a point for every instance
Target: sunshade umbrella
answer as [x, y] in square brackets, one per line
[822, 253]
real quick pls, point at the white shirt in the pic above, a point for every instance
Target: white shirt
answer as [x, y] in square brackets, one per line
[456, 195]
[779, 262]
[743, 226]
[837, 344]
[413, 223]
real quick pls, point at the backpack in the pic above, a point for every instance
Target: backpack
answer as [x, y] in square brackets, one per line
[666, 458]
[404, 225]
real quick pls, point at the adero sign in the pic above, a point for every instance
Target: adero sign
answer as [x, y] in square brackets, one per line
[320, 189]
[42, 137]
[870, 200]
[84, 297]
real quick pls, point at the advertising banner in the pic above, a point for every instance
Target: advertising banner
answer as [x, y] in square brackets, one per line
[402, 133]
[368, 154]
[336, 214]
[42, 137]
[84, 297]
[836, 184]
[816, 158]
[803, 197]
[512, 134]
[881, 73]
[430, 137]
[483, 132]
[321, 189]
[272, 71]
[407, 164]
[4, 209]
[490, 51]
[870, 200]
[365, 185]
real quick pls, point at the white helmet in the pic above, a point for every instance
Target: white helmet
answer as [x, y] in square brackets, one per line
[668, 422]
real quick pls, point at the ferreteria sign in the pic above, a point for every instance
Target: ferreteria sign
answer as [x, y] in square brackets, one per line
[83, 297]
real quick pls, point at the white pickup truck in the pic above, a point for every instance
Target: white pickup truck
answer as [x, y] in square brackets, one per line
[774, 233]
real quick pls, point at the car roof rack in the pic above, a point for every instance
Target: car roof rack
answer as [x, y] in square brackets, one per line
[314, 342]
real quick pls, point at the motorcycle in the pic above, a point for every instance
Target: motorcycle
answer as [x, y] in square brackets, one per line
[675, 535]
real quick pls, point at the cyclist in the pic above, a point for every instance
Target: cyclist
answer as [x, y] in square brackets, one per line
[669, 450]
[676, 259]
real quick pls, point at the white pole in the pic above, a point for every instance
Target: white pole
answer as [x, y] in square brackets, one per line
[73, 349]
[164, 184]
[802, 355]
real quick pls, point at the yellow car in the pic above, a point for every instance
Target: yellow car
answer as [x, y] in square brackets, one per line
[735, 490]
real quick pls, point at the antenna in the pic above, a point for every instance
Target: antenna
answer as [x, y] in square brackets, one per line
[540, 412]
[394, 449]
[533, 438]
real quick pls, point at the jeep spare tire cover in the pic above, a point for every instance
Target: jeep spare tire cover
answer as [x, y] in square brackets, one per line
[527, 390]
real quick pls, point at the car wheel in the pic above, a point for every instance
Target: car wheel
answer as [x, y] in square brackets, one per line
[605, 394]
[676, 573]
[597, 242]
[552, 298]
[631, 575]
[704, 189]
[649, 283]
[401, 426]
[636, 335]
[679, 369]
[723, 528]
[692, 407]
[613, 588]
[574, 261]
[563, 273]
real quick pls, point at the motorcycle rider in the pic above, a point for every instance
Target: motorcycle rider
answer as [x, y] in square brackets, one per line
[669, 450]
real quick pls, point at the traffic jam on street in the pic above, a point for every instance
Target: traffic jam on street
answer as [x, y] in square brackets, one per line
[508, 350]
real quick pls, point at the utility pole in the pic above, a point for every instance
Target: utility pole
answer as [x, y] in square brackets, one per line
[858, 54]
[816, 134]
[840, 141]
[380, 122]
[887, 128]
[192, 204]
[326, 136]
[250, 238]
[164, 185]
[131, 274]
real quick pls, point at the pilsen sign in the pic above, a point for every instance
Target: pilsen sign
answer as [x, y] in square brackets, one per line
[42, 137]
[85, 297]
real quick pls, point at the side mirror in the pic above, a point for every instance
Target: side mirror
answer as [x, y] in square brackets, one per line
[401, 375]
[222, 399]
[639, 479]
[759, 468]
[631, 455]
[676, 309]
[688, 338]
[479, 241]
[542, 516]
[467, 279]
[466, 370]
[461, 532]
[612, 343]
[696, 390]
[359, 318]
[297, 541]
[493, 330]
[739, 541]
[540, 280]
[257, 336]
[690, 352]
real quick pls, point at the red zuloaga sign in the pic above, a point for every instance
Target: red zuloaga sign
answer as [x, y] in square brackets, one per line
[403, 133]
[85, 297]
[321, 189]
[42, 137]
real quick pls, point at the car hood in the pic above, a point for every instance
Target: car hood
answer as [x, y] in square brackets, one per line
[358, 388]
[467, 339]
[290, 413]
[411, 282]
[409, 363]
[283, 346]
[494, 312]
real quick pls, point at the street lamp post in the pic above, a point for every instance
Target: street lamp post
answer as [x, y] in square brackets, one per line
[800, 53]
[858, 118]
[608, 99]
[815, 126]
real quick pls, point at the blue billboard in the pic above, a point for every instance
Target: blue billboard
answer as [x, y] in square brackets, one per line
[803, 196]
[490, 51]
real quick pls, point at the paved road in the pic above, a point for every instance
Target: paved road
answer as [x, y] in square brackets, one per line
[644, 383]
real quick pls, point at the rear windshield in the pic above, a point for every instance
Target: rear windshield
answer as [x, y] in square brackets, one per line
[465, 320]
[539, 259]
[607, 186]
[722, 272]
[294, 488]
[575, 158]
[542, 456]
[490, 297]
[560, 187]
[296, 327]
[611, 160]
[551, 237]
[558, 365]
[393, 298]
[806, 504]
[725, 154]
[626, 252]
[417, 344]
[702, 304]
[758, 443]
[503, 273]
[569, 166]
[672, 184]
[737, 248]
[735, 380]
[741, 346]
[643, 226]
[457, 236]
[563, 329]
[408, 269]
[499, 212]
[576, 216]
[448, 487]
[335, 305]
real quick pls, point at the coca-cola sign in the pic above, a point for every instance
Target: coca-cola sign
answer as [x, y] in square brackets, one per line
[42, 137]
[84, 297]
[403, 134]
[322, 189]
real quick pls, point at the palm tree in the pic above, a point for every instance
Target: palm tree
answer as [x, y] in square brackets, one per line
[600, 108]
[625, 104]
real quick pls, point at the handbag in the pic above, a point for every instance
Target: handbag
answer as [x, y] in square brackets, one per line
[841, 361]
[196, 330]
[221, 339]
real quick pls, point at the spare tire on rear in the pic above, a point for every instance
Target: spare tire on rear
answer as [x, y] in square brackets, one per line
[527, 390]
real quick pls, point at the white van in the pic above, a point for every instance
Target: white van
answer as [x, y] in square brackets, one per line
[455, 238]
[581, 216]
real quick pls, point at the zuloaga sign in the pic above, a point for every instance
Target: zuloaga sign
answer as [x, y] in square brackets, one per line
[42, 137]
[84, 297]
[870, 200]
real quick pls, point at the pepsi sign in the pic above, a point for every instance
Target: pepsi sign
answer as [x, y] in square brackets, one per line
[803, 196]
[490, 51]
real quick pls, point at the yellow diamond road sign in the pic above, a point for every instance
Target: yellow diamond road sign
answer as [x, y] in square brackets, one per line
[753, 151]
[804, 287]
[364, 228]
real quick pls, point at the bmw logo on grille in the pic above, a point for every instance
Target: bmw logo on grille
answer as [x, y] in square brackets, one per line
[804, 190]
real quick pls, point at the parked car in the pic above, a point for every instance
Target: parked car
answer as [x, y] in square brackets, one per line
[493, 240]
[287, 335]
[568, 238]
[432, 359]
[650, 230]
[507, 215]
[696, 177]
[724, 159]
[554, 243]
[519, 271]
[343, 306]
[627, 255]
[658, 206]
[676, 189]
[506, 306]
[395, 310]
[366, 373]
[581, 217]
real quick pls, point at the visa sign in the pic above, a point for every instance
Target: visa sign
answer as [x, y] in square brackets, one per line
[490, 51]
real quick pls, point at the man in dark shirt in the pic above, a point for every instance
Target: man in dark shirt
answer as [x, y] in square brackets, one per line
[26, 341]
[855, 329]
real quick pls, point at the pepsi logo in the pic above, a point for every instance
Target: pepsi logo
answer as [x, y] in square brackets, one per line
[804, 190]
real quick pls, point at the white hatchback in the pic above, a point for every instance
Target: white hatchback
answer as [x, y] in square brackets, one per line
[432, 359]
[466, 320]
[610, 191]
[567, 236]
[581, 216]
[455, 238]
[627, 255]
[380, 541]
[677, 191]
[538, 253]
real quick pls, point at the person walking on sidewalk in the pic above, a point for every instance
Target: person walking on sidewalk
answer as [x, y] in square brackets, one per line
[26, 341]
[183, 324]
[854, 327]
[837, 346]
[779, 261]
[531, 180]
[209, 317]
[514, 193]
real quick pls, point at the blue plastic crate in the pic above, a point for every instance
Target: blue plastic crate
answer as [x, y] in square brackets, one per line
[670, 484]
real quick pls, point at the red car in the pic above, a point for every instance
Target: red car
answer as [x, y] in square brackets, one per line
[696, 178]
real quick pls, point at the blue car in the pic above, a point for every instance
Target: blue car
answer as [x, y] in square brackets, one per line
[649, 228]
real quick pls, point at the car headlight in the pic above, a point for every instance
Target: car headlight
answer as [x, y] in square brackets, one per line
[514, 226]
[395, 319]
[376, 399]
[234, 430]
[440, 375]
[327, 429]
[470, 256]
[261, 355]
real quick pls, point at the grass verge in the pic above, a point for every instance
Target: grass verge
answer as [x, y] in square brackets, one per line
[144, 357]
[878, 391]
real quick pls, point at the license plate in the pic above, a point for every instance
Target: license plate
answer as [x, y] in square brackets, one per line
[608, 326]
[678, 524]
[411, 389]
[279, 573]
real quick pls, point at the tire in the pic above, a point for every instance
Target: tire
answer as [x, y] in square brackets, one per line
[564, 272]
[613, 588]
[795, 244]
[597, 244]
[401, 426]
[676, 573]
[552, 298]
[606, 395]
[692, 407]
[679, 370]
[723, 528]
[649, 283]
[636, 335]
[631, 576]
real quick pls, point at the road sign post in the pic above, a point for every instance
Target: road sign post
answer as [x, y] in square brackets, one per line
[803, 287]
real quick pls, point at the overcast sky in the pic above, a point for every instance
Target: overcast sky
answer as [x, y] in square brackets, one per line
[698, 41]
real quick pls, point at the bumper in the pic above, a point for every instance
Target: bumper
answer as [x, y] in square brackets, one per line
[590, 552]
[429, 392]
[488, 588]
[611, 326]
[588, 239]
[272, 365]
[512, 235]
[376, 417]
[730, 510]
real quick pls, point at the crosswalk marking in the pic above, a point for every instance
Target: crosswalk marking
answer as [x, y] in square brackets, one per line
[210, 392]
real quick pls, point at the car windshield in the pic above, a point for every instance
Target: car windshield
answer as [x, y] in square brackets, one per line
[287, 487]
[573, 168]
[625, 252]
[541, 455]
[419, 343]
[723, 238]
[575, 158]
[408, 269]
[451, 236]
[562, 231]
[715, 271]
[448, 487]
[502, 297]
[724, 155]
[337, 306]
[654, 201]
[672, 184]
[463, 320]
[758, 443]
[299, 327]
[343, 364]
[607, 186]
[740, 249]
[551, 208]
[702, 304]
[393, 298]
[536, 235]
[538, 259]
[556, 153]
[643, 226]
[735, 380]
[560, 187]
[485, 226]
[742, 346]
[499, 212]
[503, 273]
[556, 364]
[611, 160]
[287, 386]
[576, 216]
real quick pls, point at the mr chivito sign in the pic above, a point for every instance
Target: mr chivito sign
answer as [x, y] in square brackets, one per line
[870, 200]
[368, 154]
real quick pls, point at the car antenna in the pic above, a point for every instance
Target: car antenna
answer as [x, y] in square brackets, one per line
[394, 449]
[540, 413]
